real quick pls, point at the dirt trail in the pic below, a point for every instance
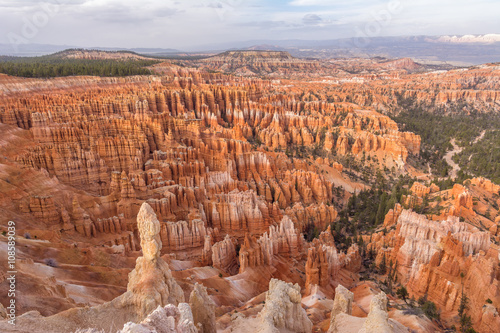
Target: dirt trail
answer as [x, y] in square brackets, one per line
[448, 158]
[480, 137]
[457, 150]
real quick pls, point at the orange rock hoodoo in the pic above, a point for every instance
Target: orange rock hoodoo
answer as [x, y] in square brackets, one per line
[432, 257]
[236, 170]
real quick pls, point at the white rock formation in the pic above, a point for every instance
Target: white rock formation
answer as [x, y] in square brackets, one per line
[168, 319]
[283, 309]
[151, 283]
[342, 304]
[203, 308]
[378, 319]
[149, 230]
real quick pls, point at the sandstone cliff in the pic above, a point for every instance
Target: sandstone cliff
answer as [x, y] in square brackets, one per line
[438, 258]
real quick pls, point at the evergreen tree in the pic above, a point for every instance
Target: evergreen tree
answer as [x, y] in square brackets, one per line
[382, 268]
[402, 293]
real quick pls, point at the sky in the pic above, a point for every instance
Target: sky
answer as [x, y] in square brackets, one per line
[197, 24]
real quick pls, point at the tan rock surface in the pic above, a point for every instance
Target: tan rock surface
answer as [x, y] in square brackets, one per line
[283, 309]
[203, 309]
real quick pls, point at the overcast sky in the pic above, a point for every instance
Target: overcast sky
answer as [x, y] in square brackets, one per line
[184, 24]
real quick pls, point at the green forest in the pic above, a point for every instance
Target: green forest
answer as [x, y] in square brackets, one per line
[54, 66]
[482, 158]
[438, 128]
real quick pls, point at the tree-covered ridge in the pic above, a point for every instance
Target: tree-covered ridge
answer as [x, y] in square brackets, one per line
[482, 158]
[438, 129]
[66, 52]
[53, 66]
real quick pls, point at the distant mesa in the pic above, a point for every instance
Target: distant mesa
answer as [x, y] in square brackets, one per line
[99, 55]
[249, 54]
[259, 62]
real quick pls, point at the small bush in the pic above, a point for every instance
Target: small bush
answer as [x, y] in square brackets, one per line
[51, 262]
[4, 233]
[220, 275]
[430, 310]
[412, 311]
[489, 301]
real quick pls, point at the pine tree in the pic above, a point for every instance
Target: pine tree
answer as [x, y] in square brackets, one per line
[382, 267]
[402, 293]
[465, 320]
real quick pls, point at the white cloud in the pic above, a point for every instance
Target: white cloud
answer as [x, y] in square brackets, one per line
[311, 19]
[180, 23]
[331, 3]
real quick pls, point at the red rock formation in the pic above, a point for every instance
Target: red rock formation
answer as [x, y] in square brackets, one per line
[419, 189]
[183, 235]
[43, 209]
[324, 262]
[322, 266]
[224, 256]
[259, 62]
[238, 211]
[281, 240]
[486, 184]
[250, 253]
[432, 256]
[212, 154]
[463, 199]
[391, 218]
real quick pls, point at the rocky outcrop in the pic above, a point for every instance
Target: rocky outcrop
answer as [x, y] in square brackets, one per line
[150, 287]
[342, 304]
[378, 318]
[391, 218]
[238, 211]
[82, 221]
[224, 256]
[419, 189]
[283, 309]
[184, 235]
[352, 260]
[490, 319]
[259, 62]
[282, 240]
[486, 184]
[206, 254]
[166, 319]
[324, 262]
[250, 253]
[44, 209]
[203, 309]
[322, 265]
[320, 215]
[463, 200]
[151, 283]
[437, 258]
